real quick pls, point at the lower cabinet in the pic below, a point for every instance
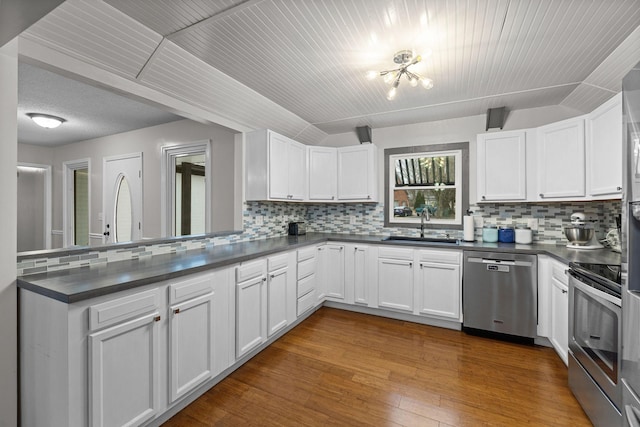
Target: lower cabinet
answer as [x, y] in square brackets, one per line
[395, 279]
[439, 283]
[124, 358]
[123, 372]
[559, 336]
[331, 264]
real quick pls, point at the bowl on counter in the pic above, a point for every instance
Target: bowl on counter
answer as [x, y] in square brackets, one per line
[578, 235]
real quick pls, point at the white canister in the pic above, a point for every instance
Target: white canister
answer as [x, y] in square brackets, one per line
[524, 235]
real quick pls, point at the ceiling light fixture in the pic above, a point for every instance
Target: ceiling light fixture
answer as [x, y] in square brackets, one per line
[46, 121]
[404, 58]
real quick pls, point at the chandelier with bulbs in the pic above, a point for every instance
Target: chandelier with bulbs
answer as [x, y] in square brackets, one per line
[405, 59]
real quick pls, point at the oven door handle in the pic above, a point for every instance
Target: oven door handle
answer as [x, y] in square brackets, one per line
[606, 299]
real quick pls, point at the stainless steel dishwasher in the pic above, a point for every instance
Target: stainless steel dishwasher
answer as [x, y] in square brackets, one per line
[500, 293]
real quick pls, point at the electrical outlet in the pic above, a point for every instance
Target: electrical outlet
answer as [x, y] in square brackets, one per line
[532, 223]
[478, 222]
[352, 219]
[259, 220]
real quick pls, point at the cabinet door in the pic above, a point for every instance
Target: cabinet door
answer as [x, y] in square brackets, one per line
[395, 284]
[604, 149]
[439, 289]
[356, 173]
[360, 282]
[321, 274]
[333, 265]
[502, 166]
[278, 166]
[251, 315]
[560, 319]
[191, 344]
[297, 170]
[277, 300]
[323, 174]
[123, 373]
[561, 160]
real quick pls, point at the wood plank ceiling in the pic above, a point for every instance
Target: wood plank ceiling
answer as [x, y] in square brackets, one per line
[298, 66]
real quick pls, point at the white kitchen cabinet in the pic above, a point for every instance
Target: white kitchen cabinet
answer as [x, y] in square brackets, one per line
[323, 173]
[321, 274]
[395, 279]
[192, 334]
[331, 263]
[559, 332]
[278, 284]
[360, 262]
[357, 173]
[306, 279]
[502, 166]
[439, 283]
[604, 150]
[251, 310]
[275, 168]
[124, 372]
[561, 160]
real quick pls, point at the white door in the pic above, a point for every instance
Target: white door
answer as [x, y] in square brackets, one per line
[123, 373]
[122, 198]
[191, 334]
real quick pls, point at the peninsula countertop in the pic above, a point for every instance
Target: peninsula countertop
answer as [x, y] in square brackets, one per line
[82, 283]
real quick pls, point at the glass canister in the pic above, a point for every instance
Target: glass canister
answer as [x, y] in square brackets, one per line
[506, 234]
[490, 233]
[524, 235]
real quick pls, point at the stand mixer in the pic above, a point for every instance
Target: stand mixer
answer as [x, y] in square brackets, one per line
[582, 234]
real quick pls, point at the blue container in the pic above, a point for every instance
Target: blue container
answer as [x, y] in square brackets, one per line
[506, 235]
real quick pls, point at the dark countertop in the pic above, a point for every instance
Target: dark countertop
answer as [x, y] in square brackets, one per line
[79, 284]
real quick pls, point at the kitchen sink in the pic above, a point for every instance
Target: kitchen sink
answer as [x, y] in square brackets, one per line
[446, 240]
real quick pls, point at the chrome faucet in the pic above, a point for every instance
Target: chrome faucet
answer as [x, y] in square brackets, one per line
[424, 216]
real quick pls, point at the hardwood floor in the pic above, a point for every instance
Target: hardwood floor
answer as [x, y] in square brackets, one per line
[344, 368]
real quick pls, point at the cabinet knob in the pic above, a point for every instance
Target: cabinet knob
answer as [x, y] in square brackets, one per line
[484, 198]
[264, 279]
[541, 196]
[410, 264]
[368, 197]
[333, 197]
[156, 319]
[176, 311]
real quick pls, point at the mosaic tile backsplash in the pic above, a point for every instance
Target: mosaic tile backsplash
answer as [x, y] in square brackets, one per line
[270, 219]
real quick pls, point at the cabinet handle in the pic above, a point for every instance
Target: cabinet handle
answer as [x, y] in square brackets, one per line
[264, 279]
[273, 276]
[564, 291]
[176, 311]
[156, 319]
[484, 198]
[410, 264]
[333, 197]
[341, 248]
[541, 196]
[619, 188]
[368, 197]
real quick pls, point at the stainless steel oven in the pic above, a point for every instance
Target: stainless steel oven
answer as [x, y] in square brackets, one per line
[594, 341]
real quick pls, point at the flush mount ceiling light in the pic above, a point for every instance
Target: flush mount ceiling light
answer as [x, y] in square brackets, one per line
[46, 121]
[405, 59]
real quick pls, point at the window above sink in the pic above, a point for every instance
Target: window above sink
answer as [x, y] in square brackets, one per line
[430, 181]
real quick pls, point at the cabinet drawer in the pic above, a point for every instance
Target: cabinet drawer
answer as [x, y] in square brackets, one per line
[277, 262]
[123, 309]
[249, 271]
[190, 288]
[306, 285]
[558, 272]
[307, 253]
[306, 268]
[306, 302]
[396, 253]
[442, 257]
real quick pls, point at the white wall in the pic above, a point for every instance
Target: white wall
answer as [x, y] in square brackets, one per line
[449, 131]
[8, 218]
[149, 141]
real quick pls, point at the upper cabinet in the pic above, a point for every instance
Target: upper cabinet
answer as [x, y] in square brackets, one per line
[279, 168]
[323, 173]
[604, 150]
[561, 160]
[275, 168]
[502, 170]
[357, 173]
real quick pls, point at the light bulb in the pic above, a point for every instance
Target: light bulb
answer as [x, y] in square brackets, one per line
[389, 77]
[371, 75]
[427, 83]
[413, 81]
[391, 94]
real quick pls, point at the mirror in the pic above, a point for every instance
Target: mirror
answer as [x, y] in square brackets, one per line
[202, 203]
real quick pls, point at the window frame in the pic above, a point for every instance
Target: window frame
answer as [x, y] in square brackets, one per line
[462, 170]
